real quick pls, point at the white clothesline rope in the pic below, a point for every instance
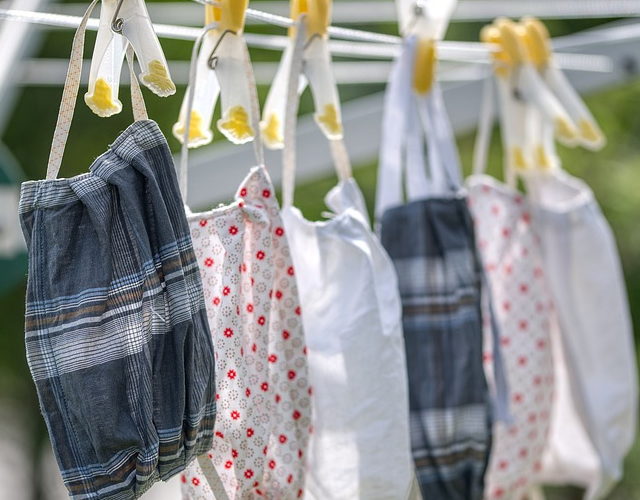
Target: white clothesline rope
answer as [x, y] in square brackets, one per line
[362, 44]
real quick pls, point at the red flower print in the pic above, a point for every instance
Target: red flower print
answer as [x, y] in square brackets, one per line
[300, 453]
[278, 294]
[264, 450]
[259, 493]
[506, 305]
[195, 481]
[228, 464]
[249, 432]
[522, 360]
[524, 288]
[310, 390]
[235, 414]
[279, 231]
[264, 386]
[526, 217]
[233, 230]
[252, 282]
[270, 294]
[217, 397]
[183, 478]
[505, 341]
[228, 332]
[260, 255]
[498, 493]
[266, 193]
[243, 192]
[261, 320]
[241, 204]
[290, 271]
[503, 464]
[523, 453]
[537, 272]
[244, 267]
[537, 380]
[490, 267]
[231, 374]
[508, 269]
[290, 479]
[238, 310]
[523, 325]
[518, 199]
[216, 301]
[298, 310]
[304, 350]
[487, 357]
[250, 308]
[299, 493]
[254, 348]
[285, 334]
[273, 358]
[296, 415]
[495, 209]
[248, 473]
[506, 232]
[272, 464]
[282, 438]
[537, 466]
[226, 291]
[208, 262]
[277, 398]
[219, 434]
[292, 374]
[234, 453]
[518, 397]
[532, 417]
[541, 344]
[248, 392]
[203, 223]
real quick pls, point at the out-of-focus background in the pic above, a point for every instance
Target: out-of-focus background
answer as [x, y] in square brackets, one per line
[29, 100]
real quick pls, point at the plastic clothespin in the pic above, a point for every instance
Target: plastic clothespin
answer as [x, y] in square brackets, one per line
[222, 72]
[538, 44]
[428, 21]
[513, 109]
[318, 74]
[123, 22]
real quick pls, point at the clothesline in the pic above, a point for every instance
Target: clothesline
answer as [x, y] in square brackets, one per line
[362, 44]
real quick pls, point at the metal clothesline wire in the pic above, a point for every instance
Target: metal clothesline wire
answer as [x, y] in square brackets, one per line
[376, 46]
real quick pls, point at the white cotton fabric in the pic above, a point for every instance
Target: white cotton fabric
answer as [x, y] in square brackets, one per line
[263, 394]
[359, 447]
[510, 251]
[595, 420]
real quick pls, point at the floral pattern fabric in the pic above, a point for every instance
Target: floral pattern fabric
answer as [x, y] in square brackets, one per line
[263, 393]
[510, 250]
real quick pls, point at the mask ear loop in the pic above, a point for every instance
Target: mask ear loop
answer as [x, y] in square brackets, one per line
[137, 100]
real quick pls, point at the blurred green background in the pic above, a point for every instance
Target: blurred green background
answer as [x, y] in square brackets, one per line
[613, 173]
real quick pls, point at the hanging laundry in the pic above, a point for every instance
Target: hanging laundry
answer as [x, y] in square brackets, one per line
[263, 393]
[432, 244]
[359, 447]
[115, 316]
[510, 248]
[595, 416]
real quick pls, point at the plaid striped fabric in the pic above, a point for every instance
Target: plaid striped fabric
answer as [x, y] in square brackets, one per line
[116, 330]
[432, 245]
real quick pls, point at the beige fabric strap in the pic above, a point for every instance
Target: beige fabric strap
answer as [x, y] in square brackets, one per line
[341, 159]
[258, 149]
[291, 115]
[212, 477]
[137, 101]
[69, 96]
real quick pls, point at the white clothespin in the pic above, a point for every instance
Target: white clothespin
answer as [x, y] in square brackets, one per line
[123, 22]
[428, 21]
[538, 44]
[317, 70]
[222, 72]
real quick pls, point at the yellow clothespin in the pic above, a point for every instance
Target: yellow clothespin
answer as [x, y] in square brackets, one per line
[428, 21]
[539, 46]
[317, 73]
[224, 70]
[123, 22]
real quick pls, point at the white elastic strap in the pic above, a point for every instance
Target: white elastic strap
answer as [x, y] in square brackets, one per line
[193, 71]
[258, 149]
[394, 126]
[417, 184]
[485, 126]
[341, 160]
[212, 477]
[445, 139]
[69, 96]
[137, 100]
[291, 115]
[436, 166]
